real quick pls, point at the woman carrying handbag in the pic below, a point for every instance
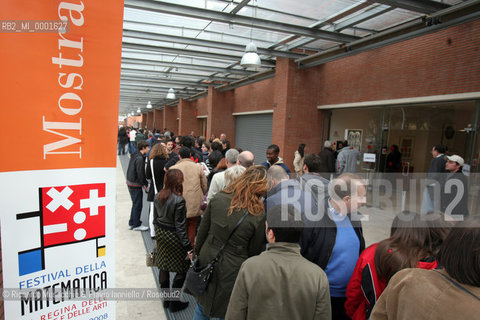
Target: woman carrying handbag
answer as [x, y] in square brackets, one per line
[173, 245]
[223, 213]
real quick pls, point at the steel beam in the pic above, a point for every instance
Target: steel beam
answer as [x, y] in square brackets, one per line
[205, 43]
[201, 67]
[166, 75]
[212, 15]
[423, 6]
[239, 6]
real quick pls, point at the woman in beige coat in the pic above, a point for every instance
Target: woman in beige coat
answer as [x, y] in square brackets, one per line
[194, 187]
[299, 158]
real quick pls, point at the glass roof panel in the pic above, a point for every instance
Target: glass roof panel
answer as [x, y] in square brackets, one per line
[389, 19]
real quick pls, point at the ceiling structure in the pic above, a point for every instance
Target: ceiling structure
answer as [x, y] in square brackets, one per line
[189, 45]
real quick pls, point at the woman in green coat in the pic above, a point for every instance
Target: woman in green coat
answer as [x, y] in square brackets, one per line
[223, 212]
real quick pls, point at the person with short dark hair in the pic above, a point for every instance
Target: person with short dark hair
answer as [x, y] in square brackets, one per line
[225, 146]
[273, 158]
[436, 178]
[312, 180]
[449, 293]
[136, 181]
[280, 283]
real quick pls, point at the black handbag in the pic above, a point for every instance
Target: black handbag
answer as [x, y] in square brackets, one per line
[198, 277]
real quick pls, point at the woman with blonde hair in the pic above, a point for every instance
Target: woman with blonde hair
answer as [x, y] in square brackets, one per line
[156, 162]
[241, 198]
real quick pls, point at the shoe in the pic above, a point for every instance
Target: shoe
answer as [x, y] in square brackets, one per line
[130, 227]
[140, 228]
[175, 306]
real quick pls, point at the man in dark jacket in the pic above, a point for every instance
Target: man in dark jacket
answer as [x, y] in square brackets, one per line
[327, 160]
[273, 158]
[436, 178]
[336, 243]
[136, 181]
[312, 180]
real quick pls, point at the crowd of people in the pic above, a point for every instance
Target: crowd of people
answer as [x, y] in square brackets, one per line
[292, 247]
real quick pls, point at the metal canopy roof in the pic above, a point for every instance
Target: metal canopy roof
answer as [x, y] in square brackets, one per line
[189, 45]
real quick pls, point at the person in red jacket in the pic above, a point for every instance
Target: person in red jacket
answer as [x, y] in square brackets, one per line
[414, 241]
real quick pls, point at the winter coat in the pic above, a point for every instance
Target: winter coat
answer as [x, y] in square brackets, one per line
[291, 287]
[425, 295]
[453, 182]
[280, 163]
[248, 240]
[136, 171]
[347, 160]
[122, 136]
[194, 185]
[158, 165]
[327, 162]
[298, 162]
[365, 287]
[171, 215]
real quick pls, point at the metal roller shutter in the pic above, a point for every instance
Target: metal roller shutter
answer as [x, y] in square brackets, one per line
[254, 133]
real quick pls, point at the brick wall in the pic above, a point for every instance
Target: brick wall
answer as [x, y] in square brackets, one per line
[187, 120]
[255, 96]
[170, 118]
[444, 62]
[158, 119]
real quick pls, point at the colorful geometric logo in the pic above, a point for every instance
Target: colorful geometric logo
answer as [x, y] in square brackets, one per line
[68, 214]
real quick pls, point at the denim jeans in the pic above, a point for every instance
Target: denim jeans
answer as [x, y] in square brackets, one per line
[132, 147]
[137, 203]
[198, 314]
[121, 148]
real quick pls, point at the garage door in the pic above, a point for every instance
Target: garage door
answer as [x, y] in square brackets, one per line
[254, 133]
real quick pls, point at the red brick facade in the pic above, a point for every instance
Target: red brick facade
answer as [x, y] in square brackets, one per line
[444, 62]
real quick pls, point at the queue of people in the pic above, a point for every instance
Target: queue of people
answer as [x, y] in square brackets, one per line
[301, 256]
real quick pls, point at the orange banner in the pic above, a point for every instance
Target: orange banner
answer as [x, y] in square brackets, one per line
[59, 92]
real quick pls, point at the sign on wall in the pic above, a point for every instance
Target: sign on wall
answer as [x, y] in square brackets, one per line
[60, 84]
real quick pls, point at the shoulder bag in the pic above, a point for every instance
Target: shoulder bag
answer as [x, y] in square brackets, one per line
[198, 277]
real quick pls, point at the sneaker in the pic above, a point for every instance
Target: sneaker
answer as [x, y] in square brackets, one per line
[130, 227]
[140, 228]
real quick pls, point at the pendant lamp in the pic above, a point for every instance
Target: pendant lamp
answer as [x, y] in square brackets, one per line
[250, 58]
[149, 105]
[170, 94]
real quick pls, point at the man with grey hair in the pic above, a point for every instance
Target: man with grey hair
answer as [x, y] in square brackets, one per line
[336, 242]
[327, 160]
[218, 181]
[245, 159]
[283, 190]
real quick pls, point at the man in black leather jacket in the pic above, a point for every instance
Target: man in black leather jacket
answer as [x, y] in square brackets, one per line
[136, 181]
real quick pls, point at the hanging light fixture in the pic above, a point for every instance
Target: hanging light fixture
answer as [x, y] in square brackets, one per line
[171, 94]
[138, 110]
[250, 58]
[149, 105]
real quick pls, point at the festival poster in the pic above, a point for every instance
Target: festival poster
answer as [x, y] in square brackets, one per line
[60, 84]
